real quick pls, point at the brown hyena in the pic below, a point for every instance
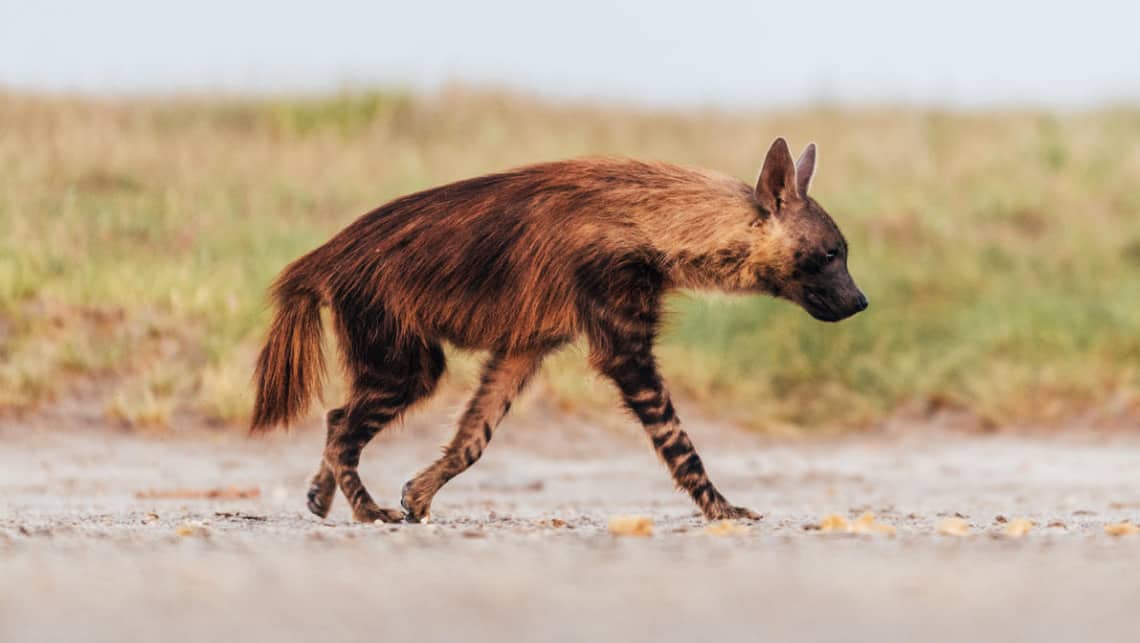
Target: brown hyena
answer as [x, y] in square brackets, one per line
[518, 264]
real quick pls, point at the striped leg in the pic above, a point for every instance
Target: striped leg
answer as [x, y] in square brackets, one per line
[323, 486]
[381, 393]
[635, 373]
[367, 417]
[504, 377]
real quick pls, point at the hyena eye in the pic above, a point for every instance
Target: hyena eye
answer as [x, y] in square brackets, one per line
[831, 254]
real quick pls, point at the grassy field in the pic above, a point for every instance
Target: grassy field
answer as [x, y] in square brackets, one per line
[1001, 252]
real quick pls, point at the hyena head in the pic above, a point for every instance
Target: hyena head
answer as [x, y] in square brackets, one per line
[802, 255]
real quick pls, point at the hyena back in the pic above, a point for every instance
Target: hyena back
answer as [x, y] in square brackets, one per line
[518, 264]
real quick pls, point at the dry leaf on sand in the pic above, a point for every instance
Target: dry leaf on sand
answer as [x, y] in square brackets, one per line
[725, 528]
[954, 527]
[1018, 527]
[631, 526]
[230, 493]
[187, 529]
[866, 524]
[1121, 529]
[834, 522]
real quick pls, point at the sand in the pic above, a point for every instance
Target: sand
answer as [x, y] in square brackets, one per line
[519, 548]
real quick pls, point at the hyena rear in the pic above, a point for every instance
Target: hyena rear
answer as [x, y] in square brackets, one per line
[518, 264]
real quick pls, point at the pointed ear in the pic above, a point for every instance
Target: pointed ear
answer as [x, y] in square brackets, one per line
[805, 167]
[777, 183]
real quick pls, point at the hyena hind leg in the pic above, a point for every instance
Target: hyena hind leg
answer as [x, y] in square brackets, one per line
[504, 377]
[322, 488]
[384, 387]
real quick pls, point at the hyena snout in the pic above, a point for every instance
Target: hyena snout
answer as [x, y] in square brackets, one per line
[834, 302]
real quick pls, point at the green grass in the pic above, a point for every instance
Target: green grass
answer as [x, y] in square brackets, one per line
[1000, 251]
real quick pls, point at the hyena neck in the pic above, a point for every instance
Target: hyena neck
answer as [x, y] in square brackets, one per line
[725, 245]
[721, 269]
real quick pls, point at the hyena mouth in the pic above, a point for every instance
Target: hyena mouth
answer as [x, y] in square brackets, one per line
[821, 308]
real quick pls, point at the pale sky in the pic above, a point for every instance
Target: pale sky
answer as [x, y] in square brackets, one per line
[703, 52]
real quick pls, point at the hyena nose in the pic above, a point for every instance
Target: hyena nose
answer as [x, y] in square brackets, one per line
[862, 303]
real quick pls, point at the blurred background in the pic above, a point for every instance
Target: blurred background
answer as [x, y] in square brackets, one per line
[160, 162]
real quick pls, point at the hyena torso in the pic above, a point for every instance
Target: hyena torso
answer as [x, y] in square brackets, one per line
[518, 264]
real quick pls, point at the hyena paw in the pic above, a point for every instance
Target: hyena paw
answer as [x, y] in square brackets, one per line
[374, 514]
[728, 512]
[415, 509]
[320, 495]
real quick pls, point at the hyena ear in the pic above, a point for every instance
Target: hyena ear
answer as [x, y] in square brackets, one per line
[805, 167]
[777, 183]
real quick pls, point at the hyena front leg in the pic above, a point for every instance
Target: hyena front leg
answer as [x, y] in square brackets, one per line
[504, 377]
[631, 365]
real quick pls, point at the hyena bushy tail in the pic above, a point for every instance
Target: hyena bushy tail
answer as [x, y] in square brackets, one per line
[291, 367]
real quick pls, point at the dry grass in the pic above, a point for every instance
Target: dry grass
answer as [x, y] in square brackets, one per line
[1001, 252]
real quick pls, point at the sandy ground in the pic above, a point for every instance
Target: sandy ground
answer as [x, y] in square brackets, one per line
[82, 557]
